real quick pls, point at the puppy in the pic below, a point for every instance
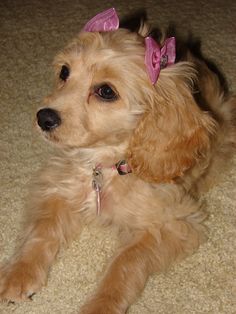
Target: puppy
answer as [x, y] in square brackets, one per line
[138, 137]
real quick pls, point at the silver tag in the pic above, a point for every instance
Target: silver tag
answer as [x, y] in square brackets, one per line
[97, 186]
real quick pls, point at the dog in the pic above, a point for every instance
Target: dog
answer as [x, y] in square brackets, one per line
[139, 138]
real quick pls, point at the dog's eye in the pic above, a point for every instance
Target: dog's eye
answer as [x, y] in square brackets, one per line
[106, 93]
[65, 72]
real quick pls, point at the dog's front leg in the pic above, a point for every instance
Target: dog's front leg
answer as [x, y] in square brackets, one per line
[151, 252]
[52, 224]
[125, 278]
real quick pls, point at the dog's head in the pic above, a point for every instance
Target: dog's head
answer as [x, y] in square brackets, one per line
[101, 89]
[103, 96]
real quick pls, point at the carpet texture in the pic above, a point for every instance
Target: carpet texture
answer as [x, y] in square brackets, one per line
[31, 33]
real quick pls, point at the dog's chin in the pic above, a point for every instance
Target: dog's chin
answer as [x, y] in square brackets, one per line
[49, 136]
[54, 140]
[57, 139]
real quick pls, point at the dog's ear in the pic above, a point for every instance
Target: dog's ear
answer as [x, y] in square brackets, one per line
[173, 133]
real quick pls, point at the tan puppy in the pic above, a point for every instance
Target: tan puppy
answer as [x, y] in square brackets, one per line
[104, 109]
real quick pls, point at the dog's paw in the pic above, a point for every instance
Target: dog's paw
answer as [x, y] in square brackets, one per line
[19, 282]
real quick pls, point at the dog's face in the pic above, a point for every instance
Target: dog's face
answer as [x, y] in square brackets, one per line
[99, 93]
[103, 97]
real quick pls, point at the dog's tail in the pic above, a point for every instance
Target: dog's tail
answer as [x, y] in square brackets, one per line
[213, 93]
[213, 96]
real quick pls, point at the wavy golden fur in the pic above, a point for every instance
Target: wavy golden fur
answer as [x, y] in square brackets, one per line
[174, 145]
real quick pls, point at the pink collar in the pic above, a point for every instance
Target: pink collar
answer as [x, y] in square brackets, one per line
[122, 168]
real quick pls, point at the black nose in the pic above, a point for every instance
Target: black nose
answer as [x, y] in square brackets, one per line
[48, 119]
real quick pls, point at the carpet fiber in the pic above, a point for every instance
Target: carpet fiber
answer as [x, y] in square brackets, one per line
[31, 33]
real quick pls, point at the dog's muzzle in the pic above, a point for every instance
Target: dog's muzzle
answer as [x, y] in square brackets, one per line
[48, 119]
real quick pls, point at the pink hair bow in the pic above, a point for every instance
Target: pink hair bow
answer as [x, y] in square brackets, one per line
[103, 22]
[157, 58]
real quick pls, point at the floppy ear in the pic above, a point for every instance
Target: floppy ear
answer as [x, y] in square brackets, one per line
[174, 133]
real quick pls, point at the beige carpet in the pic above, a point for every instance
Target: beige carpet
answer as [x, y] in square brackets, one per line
[31, 32]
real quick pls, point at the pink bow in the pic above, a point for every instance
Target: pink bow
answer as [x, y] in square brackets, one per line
[157, 58]
[103, 22]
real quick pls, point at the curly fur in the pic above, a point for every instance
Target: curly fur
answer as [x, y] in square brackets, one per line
[174, 144]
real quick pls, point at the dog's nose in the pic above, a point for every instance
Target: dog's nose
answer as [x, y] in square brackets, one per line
[48, 119]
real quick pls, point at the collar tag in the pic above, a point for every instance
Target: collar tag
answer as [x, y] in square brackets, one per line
[97, 187]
